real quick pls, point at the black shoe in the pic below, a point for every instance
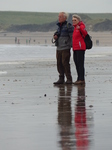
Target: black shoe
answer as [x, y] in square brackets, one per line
[59, 82]
[68, 82]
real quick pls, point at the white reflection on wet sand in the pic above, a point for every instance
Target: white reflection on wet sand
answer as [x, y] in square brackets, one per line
[36, 115]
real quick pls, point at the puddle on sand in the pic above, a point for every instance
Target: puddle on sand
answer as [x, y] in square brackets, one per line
[74, 125]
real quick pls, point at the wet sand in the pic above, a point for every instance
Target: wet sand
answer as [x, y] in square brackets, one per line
[32, 38]
[36, 115]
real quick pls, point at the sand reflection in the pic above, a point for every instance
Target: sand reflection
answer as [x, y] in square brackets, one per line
[73, 122]
[81, 127]
[65, 117]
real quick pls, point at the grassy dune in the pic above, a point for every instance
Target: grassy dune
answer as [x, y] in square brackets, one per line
[8, 18]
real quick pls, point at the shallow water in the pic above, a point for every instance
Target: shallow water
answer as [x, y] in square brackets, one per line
[34, 114]
[24, 52]
[42, 53]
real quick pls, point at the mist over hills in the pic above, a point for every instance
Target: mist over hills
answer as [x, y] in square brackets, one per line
[44, 22]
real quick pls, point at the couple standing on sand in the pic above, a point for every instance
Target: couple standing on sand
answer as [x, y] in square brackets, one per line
[65, 37]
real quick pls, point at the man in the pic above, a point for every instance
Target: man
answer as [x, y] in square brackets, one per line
[63, 38]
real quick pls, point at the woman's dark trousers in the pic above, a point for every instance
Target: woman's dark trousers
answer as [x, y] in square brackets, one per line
[79, 57]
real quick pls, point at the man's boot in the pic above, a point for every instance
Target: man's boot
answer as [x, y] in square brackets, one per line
[60, 81]
[69, 80]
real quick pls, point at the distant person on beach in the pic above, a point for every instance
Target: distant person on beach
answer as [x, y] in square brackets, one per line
[63, 38]
[79, 48]
[15, 40]
[18, 41]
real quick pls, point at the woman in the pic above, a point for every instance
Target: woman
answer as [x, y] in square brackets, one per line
[79, 48]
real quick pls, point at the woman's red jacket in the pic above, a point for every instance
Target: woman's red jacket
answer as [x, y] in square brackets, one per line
[77, 39]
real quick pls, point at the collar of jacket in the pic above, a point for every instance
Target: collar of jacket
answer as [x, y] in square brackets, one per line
[61, 24]
[77, 24]
[80, 23]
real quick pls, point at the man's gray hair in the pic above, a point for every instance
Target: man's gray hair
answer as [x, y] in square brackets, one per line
[76, 16]
[65, 14]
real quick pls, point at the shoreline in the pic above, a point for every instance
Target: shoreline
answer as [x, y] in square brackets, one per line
[40, 38]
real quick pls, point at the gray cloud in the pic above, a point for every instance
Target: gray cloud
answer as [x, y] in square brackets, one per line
[89, 6]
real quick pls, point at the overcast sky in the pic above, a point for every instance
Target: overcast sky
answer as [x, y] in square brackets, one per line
[70, 6]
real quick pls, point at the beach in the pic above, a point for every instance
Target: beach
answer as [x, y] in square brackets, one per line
[33, 38]
[35, 114]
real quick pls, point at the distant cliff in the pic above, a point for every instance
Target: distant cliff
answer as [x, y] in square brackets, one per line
[33, 27]
[106, 25]
[102, 26]
[27, 21]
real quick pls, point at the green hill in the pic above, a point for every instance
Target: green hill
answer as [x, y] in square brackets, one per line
[20, 18]
[39, 21]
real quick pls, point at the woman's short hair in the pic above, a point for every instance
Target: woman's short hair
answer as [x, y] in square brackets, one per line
[76, 16]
